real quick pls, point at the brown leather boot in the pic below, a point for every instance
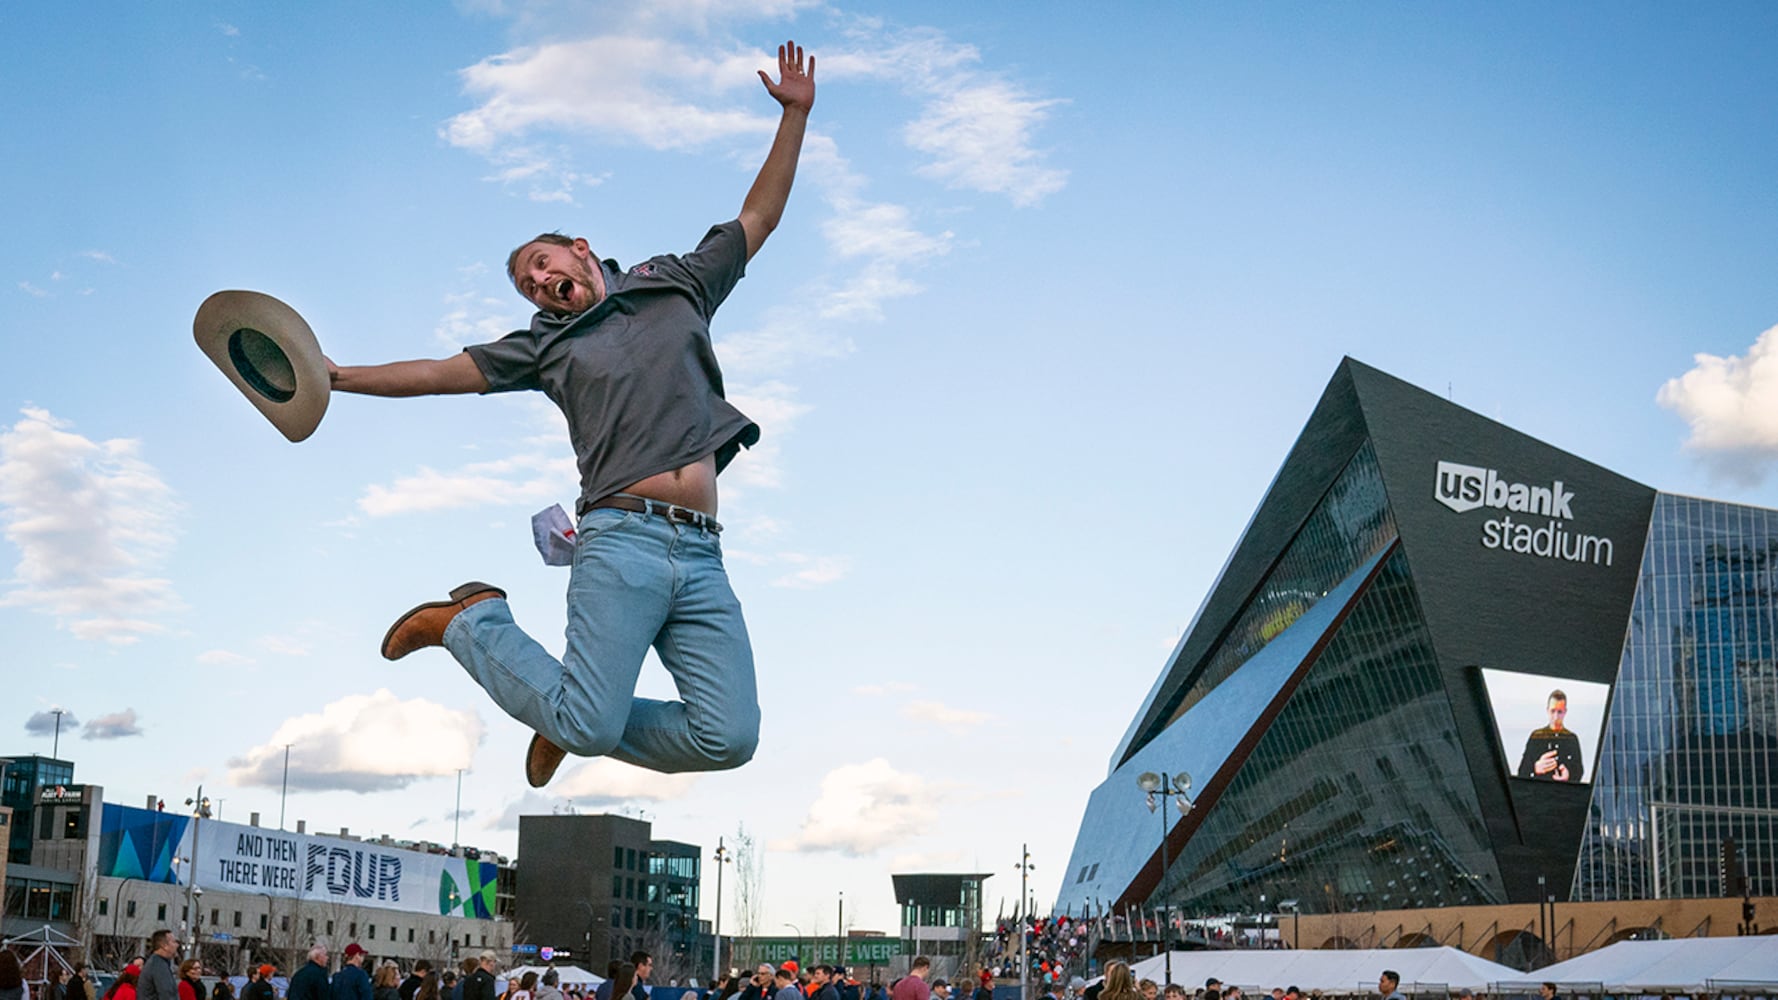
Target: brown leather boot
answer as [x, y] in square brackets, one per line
[425, 625]
[541, 761]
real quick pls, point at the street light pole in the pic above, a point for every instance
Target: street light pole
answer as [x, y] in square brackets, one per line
[1024, 867]
[799, 942]
[55, 751]
[457, 814]
[839, 936]
[721, 859]
[285, 791]
[1176, 787]
[200, 809]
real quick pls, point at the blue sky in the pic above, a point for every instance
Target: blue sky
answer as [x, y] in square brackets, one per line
[1056, 290]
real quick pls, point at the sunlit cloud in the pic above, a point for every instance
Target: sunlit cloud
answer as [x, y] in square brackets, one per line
[1731, 406]
[363, 743]
[90, 520]
[862, 809]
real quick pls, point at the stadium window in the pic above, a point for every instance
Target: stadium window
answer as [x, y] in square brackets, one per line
[160, 912]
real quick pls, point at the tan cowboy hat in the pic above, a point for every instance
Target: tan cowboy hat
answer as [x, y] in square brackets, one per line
[270, 354]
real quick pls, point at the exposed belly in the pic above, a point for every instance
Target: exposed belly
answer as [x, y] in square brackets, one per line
[691, 486]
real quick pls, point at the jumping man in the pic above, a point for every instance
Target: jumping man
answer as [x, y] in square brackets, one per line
[628, 358]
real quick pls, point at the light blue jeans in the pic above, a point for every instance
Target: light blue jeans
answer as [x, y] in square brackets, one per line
[638, 580]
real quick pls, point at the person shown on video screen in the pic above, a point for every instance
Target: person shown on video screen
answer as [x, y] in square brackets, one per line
[1552, 753]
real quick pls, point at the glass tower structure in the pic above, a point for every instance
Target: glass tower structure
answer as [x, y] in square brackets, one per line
[1690, 755]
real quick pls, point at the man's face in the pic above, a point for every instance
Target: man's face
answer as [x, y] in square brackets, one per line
[1558, 713]
[487, 964]
[1149, 990]
[644, 968]
[557, 279]
[1385, 985]
[169, 947]
[1545, 991]
[321, 957]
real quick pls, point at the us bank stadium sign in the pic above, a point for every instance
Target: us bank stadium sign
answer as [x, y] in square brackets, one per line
[1528, 519]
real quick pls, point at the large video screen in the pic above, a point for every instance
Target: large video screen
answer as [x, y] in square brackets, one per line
[1549, 726]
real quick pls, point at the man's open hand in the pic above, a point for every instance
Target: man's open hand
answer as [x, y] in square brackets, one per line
[796, 86]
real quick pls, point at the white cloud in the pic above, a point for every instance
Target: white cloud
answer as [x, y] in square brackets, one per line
[30, 289]
[864, 808]
[114, 726]
[46, 723]
[649, 90]
[979, 137]
[363, 743]
[1731, 405]
[605, 782]
[940, 714]
[976, 126]
[475, 318]
[98, 255]
[527, 479]
[222, 658]
[282, 645]
[528, 804]
[811, 571]
[89, 518]
[879, 690]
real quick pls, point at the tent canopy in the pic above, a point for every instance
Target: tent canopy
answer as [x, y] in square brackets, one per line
[1331, 971]
[1683, 965]
[567, 973]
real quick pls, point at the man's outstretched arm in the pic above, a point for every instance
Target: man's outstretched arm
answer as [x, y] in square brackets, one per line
[446, 376]
[795, 90]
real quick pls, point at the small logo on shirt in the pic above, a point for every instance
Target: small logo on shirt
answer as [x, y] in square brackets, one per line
[643, 270]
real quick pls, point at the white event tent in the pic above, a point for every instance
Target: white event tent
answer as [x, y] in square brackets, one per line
[1328, 970]
[568, 974]
[1680, 965]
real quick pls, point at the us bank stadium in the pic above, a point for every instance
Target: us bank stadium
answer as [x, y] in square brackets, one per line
[1448, 664]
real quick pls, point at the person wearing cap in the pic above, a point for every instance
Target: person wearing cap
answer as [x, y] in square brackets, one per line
[352, 982]
[311, 982]
[628, 358]
[479, 984]
[259, 984]
[821, 985]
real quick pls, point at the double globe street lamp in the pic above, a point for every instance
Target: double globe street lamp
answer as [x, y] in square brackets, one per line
[1158, 787]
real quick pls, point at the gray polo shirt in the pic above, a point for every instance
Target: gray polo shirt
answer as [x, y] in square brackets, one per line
[636, 375]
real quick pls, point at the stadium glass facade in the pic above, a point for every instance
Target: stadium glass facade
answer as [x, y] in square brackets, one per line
[1387, 697]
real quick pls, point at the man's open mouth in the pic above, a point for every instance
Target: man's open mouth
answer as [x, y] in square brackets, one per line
[564, 289]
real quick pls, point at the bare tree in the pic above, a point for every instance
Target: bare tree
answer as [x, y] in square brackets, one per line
[750, 870]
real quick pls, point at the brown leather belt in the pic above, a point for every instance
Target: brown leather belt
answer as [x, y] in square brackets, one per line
[643, 505]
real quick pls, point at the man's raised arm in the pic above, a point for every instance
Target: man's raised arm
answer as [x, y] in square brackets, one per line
[410, 378]
[795, 90]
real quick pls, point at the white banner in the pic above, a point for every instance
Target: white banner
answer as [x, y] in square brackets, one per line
[235, 858]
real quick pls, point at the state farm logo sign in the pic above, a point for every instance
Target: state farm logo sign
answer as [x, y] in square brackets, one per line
[1542, 529]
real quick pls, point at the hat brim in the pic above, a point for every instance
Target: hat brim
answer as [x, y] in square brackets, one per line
[268, 351]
